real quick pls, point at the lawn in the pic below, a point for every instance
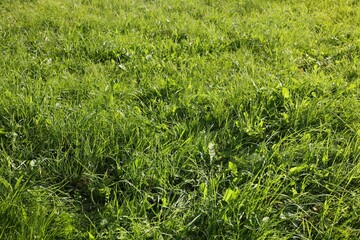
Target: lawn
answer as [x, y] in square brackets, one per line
[179, 119]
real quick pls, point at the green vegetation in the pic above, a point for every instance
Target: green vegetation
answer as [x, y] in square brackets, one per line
[179, 119]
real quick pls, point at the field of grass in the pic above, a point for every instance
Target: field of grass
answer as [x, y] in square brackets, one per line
[180, 119]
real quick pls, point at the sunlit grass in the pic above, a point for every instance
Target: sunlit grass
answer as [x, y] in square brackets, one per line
[179, 119]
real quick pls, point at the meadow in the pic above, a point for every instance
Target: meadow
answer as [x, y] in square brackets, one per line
[179, 119]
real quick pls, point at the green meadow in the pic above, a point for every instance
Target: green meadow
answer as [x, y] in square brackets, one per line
[179, 119]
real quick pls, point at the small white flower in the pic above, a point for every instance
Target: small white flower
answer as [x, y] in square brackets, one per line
[211, 149]
[104, 222]
[32, 163]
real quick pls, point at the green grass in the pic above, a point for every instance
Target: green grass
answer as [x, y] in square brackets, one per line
[168, 119]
